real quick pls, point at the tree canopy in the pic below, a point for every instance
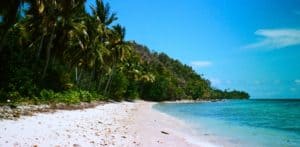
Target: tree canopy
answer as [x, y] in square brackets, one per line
[54, 50]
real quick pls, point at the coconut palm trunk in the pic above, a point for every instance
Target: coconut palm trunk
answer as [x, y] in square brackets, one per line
[40, 47]
[48, 52]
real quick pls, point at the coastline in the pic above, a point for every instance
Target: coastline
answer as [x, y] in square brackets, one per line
[112, 124]
[155, 124]
[194, 101]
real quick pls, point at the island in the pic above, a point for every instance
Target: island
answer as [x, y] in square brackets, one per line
[58, 57]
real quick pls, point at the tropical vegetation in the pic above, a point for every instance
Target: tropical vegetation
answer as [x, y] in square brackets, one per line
[55, 51]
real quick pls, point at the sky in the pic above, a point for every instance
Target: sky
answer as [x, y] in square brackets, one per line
[251, 45]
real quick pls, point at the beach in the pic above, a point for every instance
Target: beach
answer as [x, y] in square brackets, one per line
[112, 124]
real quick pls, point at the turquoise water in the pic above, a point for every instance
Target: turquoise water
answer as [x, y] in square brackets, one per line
[273, 123]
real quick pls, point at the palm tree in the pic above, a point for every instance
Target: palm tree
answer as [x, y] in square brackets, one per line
[120, 50]
[71, 23]
[53, 23]
[103, 14]
[94, 53]
[87, 45]
[43, 14]
[9, 11]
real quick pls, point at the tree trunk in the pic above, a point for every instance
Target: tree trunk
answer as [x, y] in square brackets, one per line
[109, 81]
[91, 79]
[3, 40]
[53, 60]
[48, 53]
[40, 47]
[76, 74]
[79, 76]
[107, 84]
[100, 81]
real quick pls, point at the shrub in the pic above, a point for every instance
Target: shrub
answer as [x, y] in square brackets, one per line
[47, 94]
[69, 97]
[13, 95]
[85, 96]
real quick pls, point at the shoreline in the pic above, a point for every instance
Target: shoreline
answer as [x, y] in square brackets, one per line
[194, 101]
[157, 123]
[111, 124]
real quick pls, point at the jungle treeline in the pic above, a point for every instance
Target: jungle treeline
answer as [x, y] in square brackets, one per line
[55, 51]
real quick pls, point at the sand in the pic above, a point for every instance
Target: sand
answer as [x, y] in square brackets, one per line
[114, 124]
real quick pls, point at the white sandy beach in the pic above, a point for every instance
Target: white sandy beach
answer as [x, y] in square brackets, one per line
[114, 124]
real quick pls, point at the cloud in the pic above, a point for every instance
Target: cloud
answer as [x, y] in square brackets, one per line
[228, 82]
[276, 38]
[297, 81]
[215, 81]
[200, 64]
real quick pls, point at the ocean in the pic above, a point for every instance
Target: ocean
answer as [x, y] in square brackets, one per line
[269, 123]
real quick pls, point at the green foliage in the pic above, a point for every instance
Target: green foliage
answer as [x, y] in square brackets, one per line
[158, 90]
[13, 95]
[69, 96]
[47, 94]
[175, 81]
[59, 53]
[118, 86]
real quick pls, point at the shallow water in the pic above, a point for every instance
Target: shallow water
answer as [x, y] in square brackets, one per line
[242, 122]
